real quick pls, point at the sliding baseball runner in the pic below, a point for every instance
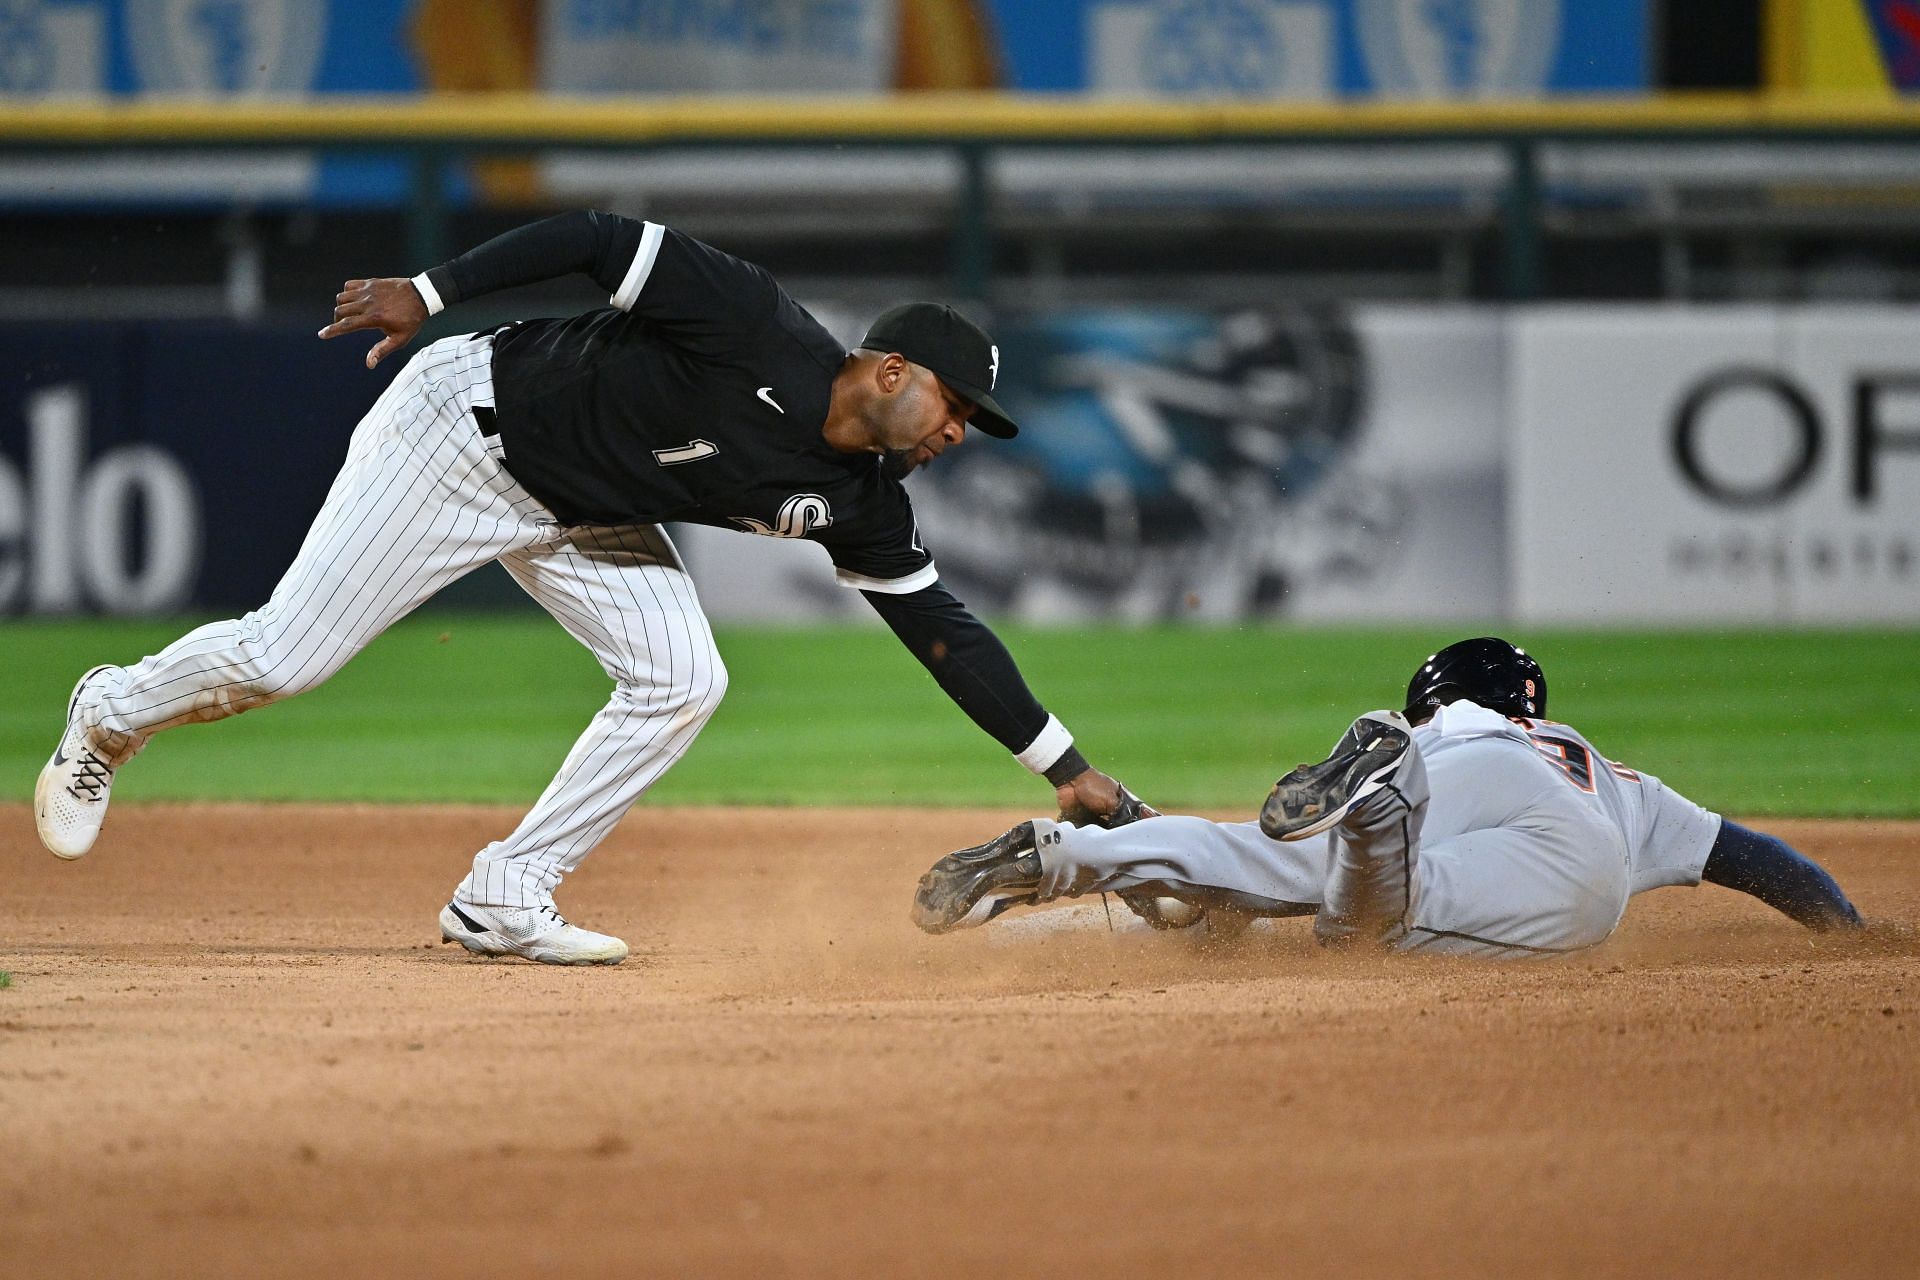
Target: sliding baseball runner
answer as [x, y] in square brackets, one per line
[1467, 823]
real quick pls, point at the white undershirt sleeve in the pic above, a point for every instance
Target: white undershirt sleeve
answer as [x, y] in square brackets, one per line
[918, 580]
[428, 294]
[1047, 747]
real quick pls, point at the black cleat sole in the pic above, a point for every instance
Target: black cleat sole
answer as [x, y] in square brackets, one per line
[972, 886]
[1315, 797]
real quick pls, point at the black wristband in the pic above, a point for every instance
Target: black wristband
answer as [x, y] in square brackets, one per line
[1069, 766]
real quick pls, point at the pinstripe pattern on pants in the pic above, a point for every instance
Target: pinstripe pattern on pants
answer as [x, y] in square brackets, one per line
[421, 501]
[624, 594]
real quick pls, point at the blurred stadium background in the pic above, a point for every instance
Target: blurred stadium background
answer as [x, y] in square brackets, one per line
[1343, 327]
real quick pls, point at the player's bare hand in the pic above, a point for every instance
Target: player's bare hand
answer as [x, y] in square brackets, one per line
[390, 304]
[1096, 799]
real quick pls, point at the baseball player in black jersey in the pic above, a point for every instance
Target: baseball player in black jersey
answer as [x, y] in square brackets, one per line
[558, 447]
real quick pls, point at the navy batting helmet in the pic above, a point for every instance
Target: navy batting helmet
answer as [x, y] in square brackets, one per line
[1487, 670]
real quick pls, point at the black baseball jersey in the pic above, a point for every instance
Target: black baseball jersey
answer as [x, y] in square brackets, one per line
[698, 396]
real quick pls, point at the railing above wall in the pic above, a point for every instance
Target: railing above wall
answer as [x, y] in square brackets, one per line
[522, 120]
[435, 132]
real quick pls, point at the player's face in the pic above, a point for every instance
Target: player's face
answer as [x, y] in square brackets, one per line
[923, 418]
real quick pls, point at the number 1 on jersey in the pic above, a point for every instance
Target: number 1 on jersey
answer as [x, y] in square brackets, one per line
[691, 451]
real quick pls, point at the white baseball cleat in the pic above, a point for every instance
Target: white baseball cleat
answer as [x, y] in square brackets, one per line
[70, 798]
[534, 933]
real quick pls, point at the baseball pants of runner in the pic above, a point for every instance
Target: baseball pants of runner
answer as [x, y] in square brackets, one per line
[421, 501]
[1490, 854]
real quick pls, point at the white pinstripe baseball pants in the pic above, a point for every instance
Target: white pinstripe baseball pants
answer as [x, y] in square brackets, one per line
[420, 502]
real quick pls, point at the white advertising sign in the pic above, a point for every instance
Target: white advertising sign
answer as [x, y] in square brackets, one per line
[1466, 48]
[1257, 49]
[1715, 465]
[51, 51]
[659, 46]
[1433, 441]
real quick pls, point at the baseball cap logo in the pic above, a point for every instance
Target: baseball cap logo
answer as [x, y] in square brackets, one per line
[993, 370]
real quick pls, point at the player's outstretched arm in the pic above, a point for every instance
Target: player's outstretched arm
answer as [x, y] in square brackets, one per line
[1779, 875]
[974, 669]
[600, 245]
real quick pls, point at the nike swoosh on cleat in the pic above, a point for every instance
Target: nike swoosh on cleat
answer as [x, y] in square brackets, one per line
[473, 925]
[766, 393]
[59, 758]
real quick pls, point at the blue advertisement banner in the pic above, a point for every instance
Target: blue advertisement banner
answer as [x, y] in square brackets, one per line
[1273, 50]
[204, 48]
[1155, 48]
[1319, 49]
[152, 467]
[79, 49]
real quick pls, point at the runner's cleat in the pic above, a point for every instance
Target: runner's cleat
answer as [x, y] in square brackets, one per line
[1314, 797]
[972, 886]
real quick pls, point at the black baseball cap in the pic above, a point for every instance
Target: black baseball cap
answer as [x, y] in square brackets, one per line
[957, 350]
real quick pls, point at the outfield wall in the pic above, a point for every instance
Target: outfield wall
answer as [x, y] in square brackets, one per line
[1580, 465]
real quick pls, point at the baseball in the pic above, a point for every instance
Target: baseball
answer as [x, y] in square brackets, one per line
[1176, 914]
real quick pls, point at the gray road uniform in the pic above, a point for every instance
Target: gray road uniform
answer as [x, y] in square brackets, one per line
[1497, 837]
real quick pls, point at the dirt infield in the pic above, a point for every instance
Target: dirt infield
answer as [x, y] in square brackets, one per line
[232, 1046]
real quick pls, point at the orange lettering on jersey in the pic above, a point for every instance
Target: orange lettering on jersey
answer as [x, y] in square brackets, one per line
[1574, 760]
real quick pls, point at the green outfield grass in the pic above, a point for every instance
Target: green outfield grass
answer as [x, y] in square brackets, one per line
[476, 707]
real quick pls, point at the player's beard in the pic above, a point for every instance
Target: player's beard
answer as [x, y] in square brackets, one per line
[897, 464]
